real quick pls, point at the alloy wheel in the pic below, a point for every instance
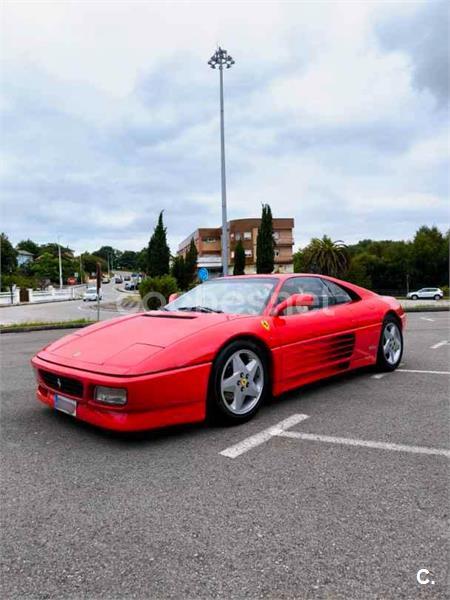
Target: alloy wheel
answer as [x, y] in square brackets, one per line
[242, 381]
[392, 343]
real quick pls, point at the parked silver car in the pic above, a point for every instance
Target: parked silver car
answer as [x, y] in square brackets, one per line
[431, 293]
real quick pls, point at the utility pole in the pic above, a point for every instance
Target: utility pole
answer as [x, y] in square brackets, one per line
[219, 60]
[60, 264]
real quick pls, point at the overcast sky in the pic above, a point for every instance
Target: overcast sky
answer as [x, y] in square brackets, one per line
[336, 114]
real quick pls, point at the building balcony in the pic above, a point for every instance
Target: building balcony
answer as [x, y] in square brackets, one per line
[210, 246]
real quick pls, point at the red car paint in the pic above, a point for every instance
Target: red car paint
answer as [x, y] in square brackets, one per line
[164, 360]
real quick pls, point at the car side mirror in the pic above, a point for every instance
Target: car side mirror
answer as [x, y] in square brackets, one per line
[173, 296]
[293, 301]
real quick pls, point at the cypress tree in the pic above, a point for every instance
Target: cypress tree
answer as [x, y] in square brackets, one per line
[158, 251]
[178, 271]
[191, 262]
[265, 245]
[239, 259]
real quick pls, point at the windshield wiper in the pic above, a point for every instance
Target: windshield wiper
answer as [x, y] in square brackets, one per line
[203, 309]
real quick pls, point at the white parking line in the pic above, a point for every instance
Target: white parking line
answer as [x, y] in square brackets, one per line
[262, 436]
[365, 443]
[439, 344]
[280, 430]
[419, 371]
[427, 319]
[381, 375]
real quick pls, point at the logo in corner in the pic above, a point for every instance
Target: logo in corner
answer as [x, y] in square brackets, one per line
[58, 383]
[265, 325]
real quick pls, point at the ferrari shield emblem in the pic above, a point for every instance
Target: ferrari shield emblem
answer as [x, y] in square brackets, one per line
[265, 325]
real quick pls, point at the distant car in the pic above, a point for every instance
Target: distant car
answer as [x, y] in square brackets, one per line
[426, 294]
[126, 278]
[105, 279]
[118, 279]
[91, 294]
[71, 280]
[131, 285]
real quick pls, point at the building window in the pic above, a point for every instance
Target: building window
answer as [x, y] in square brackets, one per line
[248, 253]
[238, 236]
[276, 235]
[247, 235]
[210, 240]
[232, 254]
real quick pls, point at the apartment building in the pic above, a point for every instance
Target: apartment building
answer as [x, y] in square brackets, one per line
[209, 245]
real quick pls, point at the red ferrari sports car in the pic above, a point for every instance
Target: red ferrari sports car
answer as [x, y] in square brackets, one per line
[218, 350]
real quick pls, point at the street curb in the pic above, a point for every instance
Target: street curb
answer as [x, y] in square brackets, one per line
[44, 327]
[39, 302]
[411, 309]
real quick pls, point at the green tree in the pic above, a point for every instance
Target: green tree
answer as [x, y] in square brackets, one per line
[191, 263]
[265, 244]
[8, 255]
[52, 248]
[111, 254]
[29, 246]
[178, 272]
[239, 259]
[430, 257]
[155, 291]
[326, 257]
[46, 266]
[158, 251]
[129, 260]
[357, 272]
[90, 263]
[299, 262]
[142, 259]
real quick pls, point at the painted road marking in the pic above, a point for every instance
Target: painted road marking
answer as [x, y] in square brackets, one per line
[281, 430]
[439, 344]
[419, 371]
[427, 319]
[364, 443]
[262, 436]
[381, 375]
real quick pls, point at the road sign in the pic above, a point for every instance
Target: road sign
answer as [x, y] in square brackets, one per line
[203, 274]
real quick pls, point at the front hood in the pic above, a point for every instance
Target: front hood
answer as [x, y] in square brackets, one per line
[118, 346]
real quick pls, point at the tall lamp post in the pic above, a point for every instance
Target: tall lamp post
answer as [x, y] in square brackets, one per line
[60, 264]
[220, 60]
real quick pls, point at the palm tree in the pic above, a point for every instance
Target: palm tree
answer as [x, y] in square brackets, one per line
[326, 257]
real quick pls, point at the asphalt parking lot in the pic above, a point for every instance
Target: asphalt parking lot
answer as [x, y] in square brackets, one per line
[244, 512]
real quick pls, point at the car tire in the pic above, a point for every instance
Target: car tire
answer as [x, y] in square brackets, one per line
[239, 383]
[437, 297]
[390, 346]
[414, 297]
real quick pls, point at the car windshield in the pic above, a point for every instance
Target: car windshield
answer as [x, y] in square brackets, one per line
[228, 295]
[91, 290]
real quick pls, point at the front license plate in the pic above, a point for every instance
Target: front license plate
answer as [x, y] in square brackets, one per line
[65, 405]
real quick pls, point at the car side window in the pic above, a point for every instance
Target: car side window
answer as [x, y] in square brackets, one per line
[339, 294]
[306, 285]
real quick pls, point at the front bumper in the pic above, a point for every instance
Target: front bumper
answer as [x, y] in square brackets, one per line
[155, 400]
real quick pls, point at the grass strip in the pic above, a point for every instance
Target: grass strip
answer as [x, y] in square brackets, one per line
[44, 325]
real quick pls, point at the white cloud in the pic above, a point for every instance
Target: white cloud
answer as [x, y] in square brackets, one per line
[111, 114]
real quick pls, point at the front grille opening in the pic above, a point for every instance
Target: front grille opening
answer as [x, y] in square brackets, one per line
[65, 385]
